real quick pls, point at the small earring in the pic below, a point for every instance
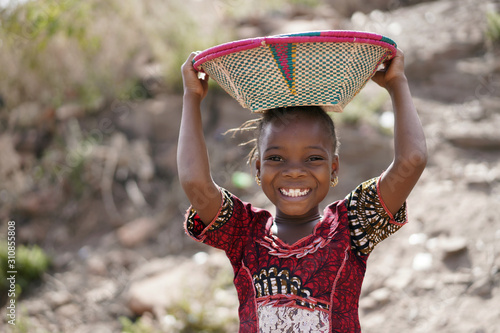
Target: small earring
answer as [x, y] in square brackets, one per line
[334, 181]
[257, 180]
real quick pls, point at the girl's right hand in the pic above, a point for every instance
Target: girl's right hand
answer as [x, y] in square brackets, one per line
[192, 85]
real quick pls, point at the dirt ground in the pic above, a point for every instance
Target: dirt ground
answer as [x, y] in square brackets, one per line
[119, 250]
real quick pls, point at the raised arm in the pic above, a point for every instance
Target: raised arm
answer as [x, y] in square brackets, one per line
[192, 157]
[410, 151]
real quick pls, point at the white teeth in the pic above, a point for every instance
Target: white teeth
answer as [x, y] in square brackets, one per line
[294, 192]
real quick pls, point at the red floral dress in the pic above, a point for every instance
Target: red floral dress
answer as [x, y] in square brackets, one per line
[312, 285]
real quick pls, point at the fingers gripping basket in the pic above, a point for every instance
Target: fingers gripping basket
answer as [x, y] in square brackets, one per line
[326, 68]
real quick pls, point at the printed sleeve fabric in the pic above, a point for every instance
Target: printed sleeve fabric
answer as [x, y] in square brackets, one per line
[196, 228]
[369, 220]
[230, 237]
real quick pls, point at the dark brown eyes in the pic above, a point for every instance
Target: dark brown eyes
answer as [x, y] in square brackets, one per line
[276, 158]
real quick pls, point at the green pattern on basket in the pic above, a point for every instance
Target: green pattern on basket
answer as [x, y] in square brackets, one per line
[327, 74]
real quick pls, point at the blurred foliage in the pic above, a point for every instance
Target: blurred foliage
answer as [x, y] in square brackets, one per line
[41, 41]
[87, 51]
[256, 8]
[31, 263]
[201, 319]
[24, 324]
[493, 27]
[242, 180]
[40, 21]
[138, 326]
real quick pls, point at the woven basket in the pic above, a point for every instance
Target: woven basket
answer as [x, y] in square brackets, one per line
[326, 68]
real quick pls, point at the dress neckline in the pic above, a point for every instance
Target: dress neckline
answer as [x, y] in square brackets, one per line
[271, 229]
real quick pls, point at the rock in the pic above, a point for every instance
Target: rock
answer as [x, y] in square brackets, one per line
[367, 304]
[25, 115]
[431, 41]
[123, 258]
[131, 121]
[472, 110]
[118, 309]
[137, 232]
[140, 160]
[456, 278]
[34, 141]
[58, 298]
[61, 260]
[200, 257]
[151, 78]
[481, 287]
[490, 104]
[400, 280]
[448, 246]
[247, 31]
[37, 306]
[94, 328]
[154, 267]
[135, 194]
[422, 261]
[165, 160]
[453, 245]
[429, 283]
[41, 202]
[12, 179]
[69, 310]
[104, 292]
[482, 135]
[475, 139]
[194, 280]
[158, 291]
[375, 299]
[67, 111]
[171, 324]
[165, 114]
[479, 173]
[10, 159]
[417, 239]
[97, 266]
[382, 295]
[348, 7]
[303, 25]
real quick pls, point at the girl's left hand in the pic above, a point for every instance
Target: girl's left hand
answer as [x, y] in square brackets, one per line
[394, 71]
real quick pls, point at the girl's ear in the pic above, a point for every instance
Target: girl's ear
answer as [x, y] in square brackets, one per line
[257, 167]
[335, 165]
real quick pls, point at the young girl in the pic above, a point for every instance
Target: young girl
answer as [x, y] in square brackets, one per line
[300, 270]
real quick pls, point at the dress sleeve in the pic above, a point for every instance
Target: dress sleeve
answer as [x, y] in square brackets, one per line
[228, 231]
[370, 221]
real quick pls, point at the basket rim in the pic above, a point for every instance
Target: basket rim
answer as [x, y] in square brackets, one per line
[320, 36]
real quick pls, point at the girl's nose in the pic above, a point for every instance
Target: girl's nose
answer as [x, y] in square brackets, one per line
[294, 170]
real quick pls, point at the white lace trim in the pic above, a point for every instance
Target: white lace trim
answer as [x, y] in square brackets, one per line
[274, 319]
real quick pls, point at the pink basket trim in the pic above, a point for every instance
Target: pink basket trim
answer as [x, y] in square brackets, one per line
[334, 36]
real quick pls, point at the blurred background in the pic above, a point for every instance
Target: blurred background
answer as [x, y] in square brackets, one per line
[90, 104]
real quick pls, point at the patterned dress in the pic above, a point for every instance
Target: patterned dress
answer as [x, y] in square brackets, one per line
[312, 285]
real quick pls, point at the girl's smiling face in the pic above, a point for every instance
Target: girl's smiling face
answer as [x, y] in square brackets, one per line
[296, 163]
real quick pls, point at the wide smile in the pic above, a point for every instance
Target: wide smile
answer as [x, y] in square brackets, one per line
[295, 192]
